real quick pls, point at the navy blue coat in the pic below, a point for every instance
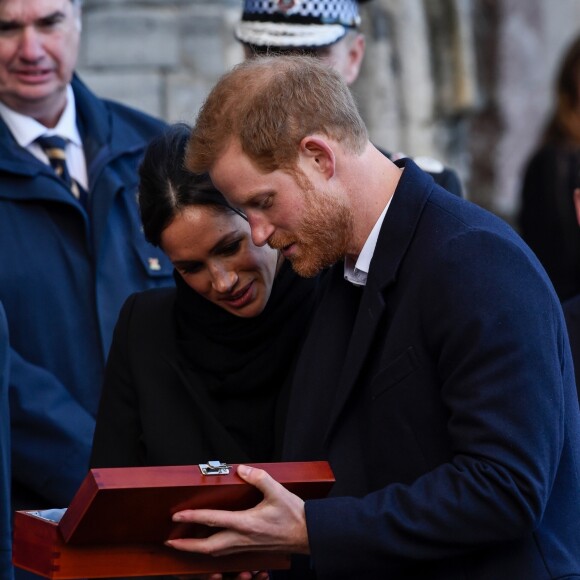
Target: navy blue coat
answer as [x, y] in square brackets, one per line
[65, 274]
[453, 425]
[572, 315]
[5, 512]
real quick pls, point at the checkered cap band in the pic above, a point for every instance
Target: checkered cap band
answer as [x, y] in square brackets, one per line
[296, 23]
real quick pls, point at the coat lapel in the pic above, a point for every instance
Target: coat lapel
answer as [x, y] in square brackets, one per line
[394, 239]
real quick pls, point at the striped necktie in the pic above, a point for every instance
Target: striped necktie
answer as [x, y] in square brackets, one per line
[55, 149]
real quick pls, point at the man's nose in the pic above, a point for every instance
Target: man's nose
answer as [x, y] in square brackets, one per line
[31, 48]
[223, 279]
[261, 229]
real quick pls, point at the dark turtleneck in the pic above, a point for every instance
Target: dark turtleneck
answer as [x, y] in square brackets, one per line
[245, 364]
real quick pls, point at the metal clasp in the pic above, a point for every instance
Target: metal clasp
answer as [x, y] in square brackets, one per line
[214, 468]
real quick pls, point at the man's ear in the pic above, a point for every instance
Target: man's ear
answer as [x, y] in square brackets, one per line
[318, 153]
[355, 55]
[577, 203]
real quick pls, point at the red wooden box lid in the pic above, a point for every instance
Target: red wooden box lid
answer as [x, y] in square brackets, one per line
[135, 504]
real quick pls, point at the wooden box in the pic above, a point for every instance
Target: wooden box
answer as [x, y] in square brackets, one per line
[119, 518]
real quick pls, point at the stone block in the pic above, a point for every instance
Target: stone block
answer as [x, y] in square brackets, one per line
[137, 37]
[202, 46]
[185, 94]
[207, 39]
[144, 91]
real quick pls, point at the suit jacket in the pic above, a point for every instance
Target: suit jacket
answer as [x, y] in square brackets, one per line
[65, 274]
[453, 425]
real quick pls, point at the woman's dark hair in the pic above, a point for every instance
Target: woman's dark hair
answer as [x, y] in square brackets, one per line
[166, 187]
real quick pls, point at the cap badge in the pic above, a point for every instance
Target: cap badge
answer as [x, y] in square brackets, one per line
[286, 6]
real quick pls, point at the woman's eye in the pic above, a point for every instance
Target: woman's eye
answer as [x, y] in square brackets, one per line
[190, 269]
[231, 248]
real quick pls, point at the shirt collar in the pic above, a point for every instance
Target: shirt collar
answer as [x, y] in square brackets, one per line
[357, 273]
[26, 129]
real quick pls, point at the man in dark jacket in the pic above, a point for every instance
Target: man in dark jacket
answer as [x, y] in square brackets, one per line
[328, 31]
[436, 377]
[71, 247]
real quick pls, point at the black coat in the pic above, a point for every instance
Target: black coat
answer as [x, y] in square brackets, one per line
[148, 408]
[547, 218]
[187, 382]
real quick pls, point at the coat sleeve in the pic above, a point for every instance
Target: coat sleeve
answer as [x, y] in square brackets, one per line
[51, 433]
[492, 328]
[117, 440]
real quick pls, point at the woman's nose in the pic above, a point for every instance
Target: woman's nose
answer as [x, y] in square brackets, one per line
[223, 279]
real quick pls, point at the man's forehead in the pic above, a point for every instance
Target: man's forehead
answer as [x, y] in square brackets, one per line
[230, 154]
[237, 176]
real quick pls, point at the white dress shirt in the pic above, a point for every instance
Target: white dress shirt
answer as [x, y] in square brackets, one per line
[26, 130]
[357, 273]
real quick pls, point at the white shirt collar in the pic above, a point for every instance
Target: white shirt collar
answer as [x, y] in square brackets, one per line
[26, 129]
[357, 273]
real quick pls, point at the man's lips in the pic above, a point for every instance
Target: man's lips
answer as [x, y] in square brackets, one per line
[240, 298]
[285, 247]
[35, 75]
[288, 250]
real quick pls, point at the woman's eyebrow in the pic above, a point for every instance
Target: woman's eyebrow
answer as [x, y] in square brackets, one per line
[225, 240]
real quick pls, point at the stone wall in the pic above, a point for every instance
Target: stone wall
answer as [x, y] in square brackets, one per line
[465, 81]
[161, 56]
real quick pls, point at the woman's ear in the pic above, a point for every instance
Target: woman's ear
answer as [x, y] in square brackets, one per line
[318, 153]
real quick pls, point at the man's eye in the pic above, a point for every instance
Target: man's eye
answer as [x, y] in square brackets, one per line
[7, 27]
[266, 202]
[51, 21]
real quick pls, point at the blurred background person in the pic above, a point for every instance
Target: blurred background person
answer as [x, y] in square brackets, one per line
[71, 245]
[547, 218]
[326, 30]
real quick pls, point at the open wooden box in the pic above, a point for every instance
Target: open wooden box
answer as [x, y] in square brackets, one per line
[119, 518]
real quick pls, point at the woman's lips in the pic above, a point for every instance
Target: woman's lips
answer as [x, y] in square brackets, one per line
[241, 298]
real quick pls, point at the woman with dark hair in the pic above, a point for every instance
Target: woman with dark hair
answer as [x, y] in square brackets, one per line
[199, 372]
[547, 218]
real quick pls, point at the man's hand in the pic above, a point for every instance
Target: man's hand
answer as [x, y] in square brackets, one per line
[276, 524]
